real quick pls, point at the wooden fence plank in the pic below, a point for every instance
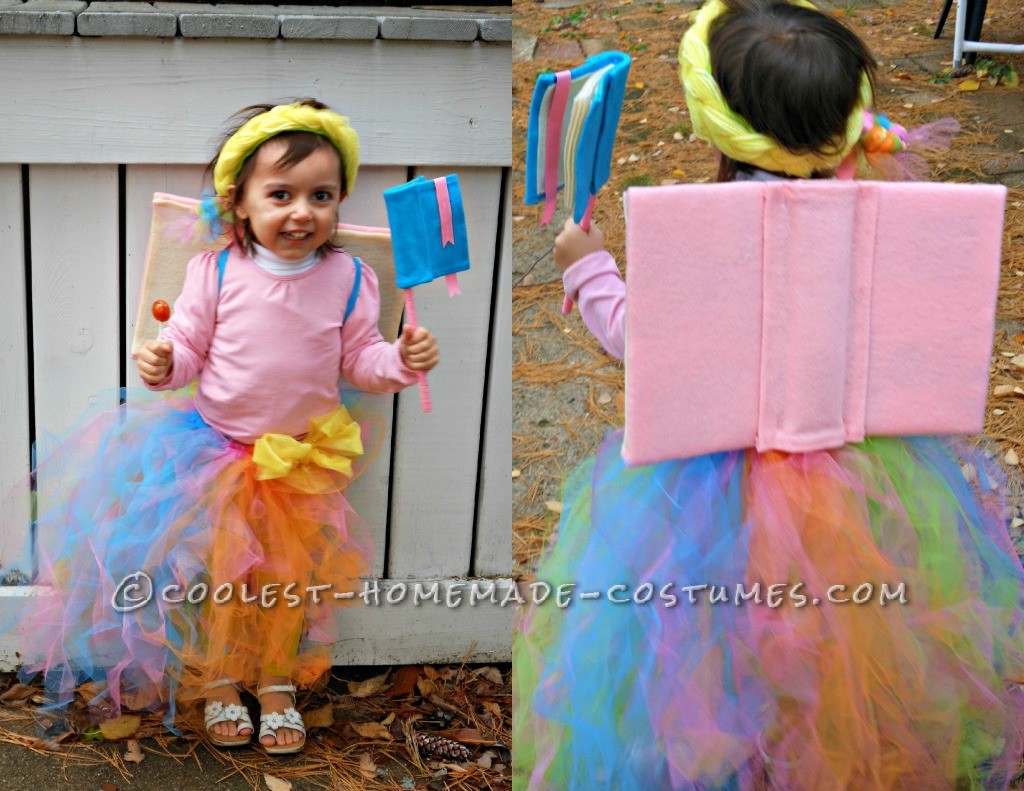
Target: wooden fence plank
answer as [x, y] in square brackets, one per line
[75, 291]
[493, 547]
[434, 491]
[14, 370]
[166, 100]
[368, 494]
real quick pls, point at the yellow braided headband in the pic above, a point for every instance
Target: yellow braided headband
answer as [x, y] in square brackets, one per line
[286, 118]
[714, 122]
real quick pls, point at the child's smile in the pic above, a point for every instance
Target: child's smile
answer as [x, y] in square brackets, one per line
[292, 211]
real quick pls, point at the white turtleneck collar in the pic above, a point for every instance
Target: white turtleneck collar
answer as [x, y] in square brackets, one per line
[275, 265]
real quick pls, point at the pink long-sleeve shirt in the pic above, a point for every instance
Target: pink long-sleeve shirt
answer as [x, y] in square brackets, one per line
[594, 283]
[268, 348]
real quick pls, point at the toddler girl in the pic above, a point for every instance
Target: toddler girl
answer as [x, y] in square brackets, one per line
[238, 491]
[630, 696]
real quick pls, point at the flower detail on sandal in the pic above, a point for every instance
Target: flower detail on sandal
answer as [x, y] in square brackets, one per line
[275, 720]
[216, 712]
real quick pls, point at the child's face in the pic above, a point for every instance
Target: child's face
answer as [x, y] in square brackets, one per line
[291, 211]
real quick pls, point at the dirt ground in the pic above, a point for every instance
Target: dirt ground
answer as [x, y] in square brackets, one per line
[566, 390]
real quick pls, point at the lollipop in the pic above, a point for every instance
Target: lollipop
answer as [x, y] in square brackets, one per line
[161, 311]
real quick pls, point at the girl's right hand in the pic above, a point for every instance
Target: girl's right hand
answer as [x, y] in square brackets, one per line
[154, 361]
[573, 243]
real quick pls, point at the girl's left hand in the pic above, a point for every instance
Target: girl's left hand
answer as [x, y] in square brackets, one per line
[419, 348]
[573, 243]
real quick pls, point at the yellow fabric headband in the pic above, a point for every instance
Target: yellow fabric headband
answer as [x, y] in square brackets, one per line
[714, 121]
[286, 118]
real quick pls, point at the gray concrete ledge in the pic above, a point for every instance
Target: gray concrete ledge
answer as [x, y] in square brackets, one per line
[428, 29]
[233, 20]
[40, 17]
[497, 29]
[328, 26]
[126, 19]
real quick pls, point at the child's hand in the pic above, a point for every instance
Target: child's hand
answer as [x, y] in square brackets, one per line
[419, 348]
[573, 243]
[154, 361]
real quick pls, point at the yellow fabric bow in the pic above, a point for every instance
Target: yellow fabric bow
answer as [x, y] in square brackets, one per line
[286, 118]
[332, 443]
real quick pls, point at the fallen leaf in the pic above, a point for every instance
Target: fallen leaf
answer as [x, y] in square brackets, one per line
[134, 752]
[639, 86]
[371, 730]
[1017, 360]
[120, 728]
[367, 768]
[1011, 458]
[388, 719]
[677, 136]
[553, 505]
[492, 674]
[1019, 337]
[604, 398]
[368, 688]
[633, 158]
[1017, 522]
[908, 106]
[969, 85]
[425, 687]
[1002, 390]
[277, 783]
[998, 411]
[465, 736]
[322, 717]
[17, 694]
[516, 474]
[403, 682]
[108, 787]
[431, 672]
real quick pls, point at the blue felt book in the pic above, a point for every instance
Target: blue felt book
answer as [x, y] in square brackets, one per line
[427, 245]
[587, 134]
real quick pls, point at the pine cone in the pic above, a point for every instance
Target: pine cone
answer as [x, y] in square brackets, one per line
[438, 745]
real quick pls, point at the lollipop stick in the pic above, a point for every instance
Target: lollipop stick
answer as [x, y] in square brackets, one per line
[410, 319]
[585, 225]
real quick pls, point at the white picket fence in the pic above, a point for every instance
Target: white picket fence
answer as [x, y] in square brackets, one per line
[91, 128]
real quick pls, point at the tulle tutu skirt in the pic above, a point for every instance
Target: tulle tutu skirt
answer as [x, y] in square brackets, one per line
[171, 565]
[802, 685]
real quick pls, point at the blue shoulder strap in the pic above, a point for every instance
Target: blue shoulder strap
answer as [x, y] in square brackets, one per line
[222, 262]
[355, 290]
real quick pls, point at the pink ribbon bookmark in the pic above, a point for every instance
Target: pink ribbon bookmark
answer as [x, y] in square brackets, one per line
[444, 210]
[585, 225]
[453, 284]
[553, 152]
[421, 377]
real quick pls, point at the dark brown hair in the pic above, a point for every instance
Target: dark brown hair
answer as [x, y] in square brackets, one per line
[792, 72]
[299, 146]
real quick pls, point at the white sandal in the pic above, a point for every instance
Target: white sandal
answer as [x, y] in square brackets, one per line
[216, 712]
[271, 723]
